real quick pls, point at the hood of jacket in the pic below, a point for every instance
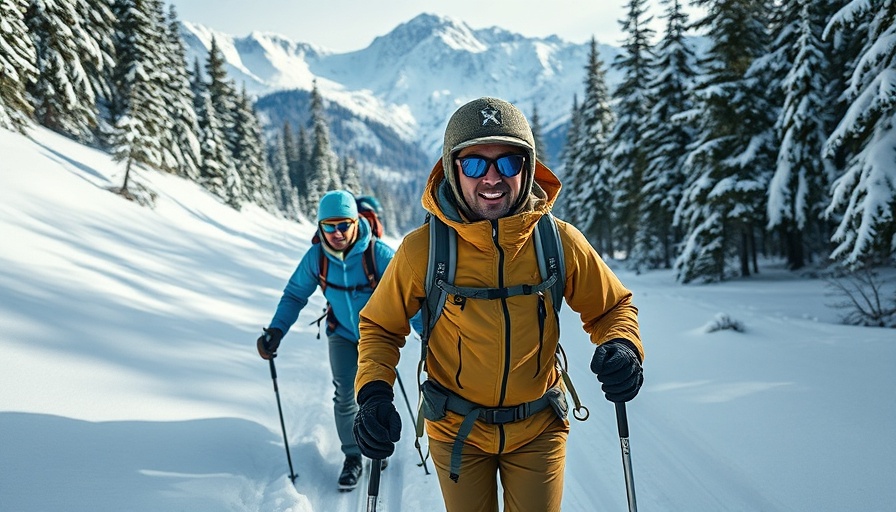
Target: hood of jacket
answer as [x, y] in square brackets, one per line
[439, 200]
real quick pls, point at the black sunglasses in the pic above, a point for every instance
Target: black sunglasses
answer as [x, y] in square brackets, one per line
[476, 166]
[342, 226]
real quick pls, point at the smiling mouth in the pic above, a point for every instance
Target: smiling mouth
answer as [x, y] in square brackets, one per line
[491, 196]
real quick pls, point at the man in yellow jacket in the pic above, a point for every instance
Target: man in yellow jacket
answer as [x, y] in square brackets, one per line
[491, 362]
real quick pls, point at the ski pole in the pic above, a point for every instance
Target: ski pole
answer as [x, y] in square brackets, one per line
[373, 486]
[292, 474]
[622, 424]
[414, 420]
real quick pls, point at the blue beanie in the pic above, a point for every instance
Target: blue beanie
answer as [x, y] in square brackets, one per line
[337, 204]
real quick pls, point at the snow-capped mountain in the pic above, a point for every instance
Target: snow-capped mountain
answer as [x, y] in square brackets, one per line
[409, 81]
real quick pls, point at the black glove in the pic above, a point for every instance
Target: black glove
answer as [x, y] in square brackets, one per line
[618, 370]
[377, 426]
[268, 342]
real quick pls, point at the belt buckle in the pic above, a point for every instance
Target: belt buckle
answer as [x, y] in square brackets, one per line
[500, 416]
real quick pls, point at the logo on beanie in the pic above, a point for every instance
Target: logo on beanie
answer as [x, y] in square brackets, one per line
[490, 115]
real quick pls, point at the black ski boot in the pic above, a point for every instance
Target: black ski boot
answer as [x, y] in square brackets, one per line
[351, 472]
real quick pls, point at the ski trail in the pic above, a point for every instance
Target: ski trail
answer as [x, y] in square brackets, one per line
[392, 480]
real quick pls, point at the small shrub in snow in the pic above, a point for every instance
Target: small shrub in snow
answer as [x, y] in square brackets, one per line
[137, 193]
[723, 322]
[865, 298]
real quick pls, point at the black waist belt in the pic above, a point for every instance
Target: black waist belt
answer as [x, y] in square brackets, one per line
[491, 415]
[496, 415]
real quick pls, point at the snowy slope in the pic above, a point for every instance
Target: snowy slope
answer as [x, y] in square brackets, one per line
[129, 378]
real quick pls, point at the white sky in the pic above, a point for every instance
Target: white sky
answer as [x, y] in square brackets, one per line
[129, 378]
[347, 25]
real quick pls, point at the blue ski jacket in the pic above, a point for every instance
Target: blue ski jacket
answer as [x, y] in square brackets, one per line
[347, 273]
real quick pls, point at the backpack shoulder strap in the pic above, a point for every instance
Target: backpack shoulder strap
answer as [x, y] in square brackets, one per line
[440, 267]
[323, 267]
[369, 263]
[549, 252]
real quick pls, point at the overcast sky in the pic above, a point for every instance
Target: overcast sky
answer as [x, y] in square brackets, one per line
[346, 25]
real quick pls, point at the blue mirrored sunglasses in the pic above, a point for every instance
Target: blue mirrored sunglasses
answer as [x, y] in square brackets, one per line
[342, 226]
[476, 166]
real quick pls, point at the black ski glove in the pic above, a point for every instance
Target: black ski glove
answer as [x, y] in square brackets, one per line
[377, 426]
[618, 370]
[268, 342]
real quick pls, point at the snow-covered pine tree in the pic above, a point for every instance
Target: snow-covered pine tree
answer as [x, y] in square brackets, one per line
[302, 165]
[285, 194]
[217, 172]
[98, 53]
[250, 157]
[349, 175]
[667, 135]
[17, 66]
[138, 106]
[540, 149]
[864, 196]
[799, 188]
[568, 170]
[63, 95]
[182, 137]
[321, 176]
[217, 131]
[626, 156]
[590, 186]
[724, 198]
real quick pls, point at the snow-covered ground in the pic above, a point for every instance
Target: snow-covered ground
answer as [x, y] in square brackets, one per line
[129, 378]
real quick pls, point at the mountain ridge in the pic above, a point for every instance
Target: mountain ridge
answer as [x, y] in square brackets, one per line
[412, 78]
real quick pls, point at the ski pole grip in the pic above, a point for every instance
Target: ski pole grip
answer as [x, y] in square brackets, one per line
[621, 419]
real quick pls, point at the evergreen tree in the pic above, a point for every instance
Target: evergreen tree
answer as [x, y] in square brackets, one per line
[138, 98]
[98, 53]
[864, 196]
[540, 149]
[799, 187]
[17, 65]
[321, 175]
[287, 200]
[217, 172]
[183, 127]
[591, 186]
[724, 197]
[290, 150]
[627, 156]
[63, 95]
[250, 157]
[223, 95]
[218, 138]
[349, 176]
[667, 135]
[568, 162]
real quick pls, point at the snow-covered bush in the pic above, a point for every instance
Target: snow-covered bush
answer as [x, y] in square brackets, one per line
[723, 322]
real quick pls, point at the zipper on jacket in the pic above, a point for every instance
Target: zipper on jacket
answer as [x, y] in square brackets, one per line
[506, 312]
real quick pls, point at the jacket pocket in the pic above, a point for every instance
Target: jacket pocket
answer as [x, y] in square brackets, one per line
[435, 401]
[557, 398]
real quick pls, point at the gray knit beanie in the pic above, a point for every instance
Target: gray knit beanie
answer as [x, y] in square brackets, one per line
[488, 121]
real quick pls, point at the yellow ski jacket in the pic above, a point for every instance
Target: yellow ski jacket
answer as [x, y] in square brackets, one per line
[492, 352]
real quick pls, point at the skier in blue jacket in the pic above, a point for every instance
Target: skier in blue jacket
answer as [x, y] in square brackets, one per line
[347, 286]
